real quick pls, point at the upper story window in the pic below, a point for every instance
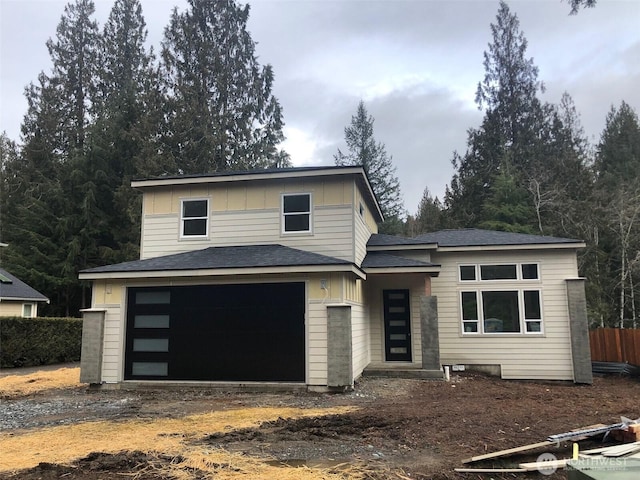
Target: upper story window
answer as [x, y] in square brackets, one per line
[296, 213]
[194, 219]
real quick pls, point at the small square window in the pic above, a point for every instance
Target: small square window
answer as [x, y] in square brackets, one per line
[530, 271]
[467, 272]
[195, 218]
[27, 310]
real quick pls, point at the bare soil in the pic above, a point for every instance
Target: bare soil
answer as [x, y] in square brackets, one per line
[402, 428]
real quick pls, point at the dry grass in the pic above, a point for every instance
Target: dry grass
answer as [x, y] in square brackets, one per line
[13, 386]
[159, 438]
[175, 437]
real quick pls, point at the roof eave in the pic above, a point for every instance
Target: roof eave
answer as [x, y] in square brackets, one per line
[435, 270]
[218, 272]
[398, 247]
[528, 246]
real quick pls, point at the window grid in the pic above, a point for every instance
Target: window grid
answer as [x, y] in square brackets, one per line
[194, 218]
[296, 213]
[520, 272]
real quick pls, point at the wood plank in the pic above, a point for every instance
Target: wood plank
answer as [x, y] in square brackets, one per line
[621, 450]
[490, 470]
[509, 451]
[533, 466]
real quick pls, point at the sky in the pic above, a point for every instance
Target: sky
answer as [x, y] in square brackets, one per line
[415, 63]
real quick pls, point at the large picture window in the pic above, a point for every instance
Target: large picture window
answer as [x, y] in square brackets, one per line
[487, 308]
[501, 311]
[296, 213]
[194, 220]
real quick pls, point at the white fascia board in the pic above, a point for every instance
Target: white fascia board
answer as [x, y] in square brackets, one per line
[400, 248]
[536, 246]
[378, 270]
[157, 182]
[219, 272]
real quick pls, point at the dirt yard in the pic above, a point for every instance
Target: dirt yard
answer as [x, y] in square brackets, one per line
[384, 429]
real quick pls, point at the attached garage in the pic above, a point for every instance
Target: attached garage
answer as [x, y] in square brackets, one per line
[236, 333]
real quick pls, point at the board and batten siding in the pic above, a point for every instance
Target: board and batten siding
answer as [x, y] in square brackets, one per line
[520, 356]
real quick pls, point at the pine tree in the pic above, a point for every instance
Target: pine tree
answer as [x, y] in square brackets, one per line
[223, 115]
[364, 150]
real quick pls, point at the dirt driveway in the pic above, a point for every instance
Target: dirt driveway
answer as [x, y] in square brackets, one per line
[386, 428]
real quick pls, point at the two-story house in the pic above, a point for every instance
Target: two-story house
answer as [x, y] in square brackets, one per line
[280, 276]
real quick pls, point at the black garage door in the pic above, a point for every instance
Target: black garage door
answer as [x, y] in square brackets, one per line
[252, 332]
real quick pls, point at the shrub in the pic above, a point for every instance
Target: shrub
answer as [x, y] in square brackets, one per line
[29, 342]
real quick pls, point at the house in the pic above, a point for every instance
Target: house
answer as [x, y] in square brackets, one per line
[280, 277]
[17, 299]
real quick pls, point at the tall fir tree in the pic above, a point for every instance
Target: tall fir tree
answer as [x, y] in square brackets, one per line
[364, 150]
[223, 114]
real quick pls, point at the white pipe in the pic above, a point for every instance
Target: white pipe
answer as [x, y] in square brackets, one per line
[447, 377]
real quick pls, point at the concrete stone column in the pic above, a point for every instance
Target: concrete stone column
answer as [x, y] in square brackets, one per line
[579, 331]
[339, 348]
[92, 344]
[430, 338]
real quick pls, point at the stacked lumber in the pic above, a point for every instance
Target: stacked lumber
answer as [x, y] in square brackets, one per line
[626, 432]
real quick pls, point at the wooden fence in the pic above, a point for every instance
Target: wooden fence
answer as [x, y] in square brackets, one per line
[615, 345]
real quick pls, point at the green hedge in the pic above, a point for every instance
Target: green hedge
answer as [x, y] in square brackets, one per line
[30, 342]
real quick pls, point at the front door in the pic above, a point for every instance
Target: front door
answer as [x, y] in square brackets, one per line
[397, 326]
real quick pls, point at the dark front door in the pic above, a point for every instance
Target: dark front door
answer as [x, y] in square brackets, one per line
[397, 326]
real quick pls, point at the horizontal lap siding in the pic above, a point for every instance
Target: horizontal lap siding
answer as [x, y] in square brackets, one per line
[113, 345]
[359, 339]
[332, 232]
[534, 357]
[317, 345]
[362, 235]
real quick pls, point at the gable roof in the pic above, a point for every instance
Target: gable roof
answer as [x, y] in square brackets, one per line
[12, 288]
[356, 171]
[468, 237]
[271, 258]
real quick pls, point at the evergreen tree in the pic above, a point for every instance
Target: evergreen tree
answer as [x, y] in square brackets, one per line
[364, 150]
[223, 114]
[618, 194]
[430, 216]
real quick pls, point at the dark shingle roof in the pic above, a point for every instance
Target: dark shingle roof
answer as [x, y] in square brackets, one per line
[467, 237]
[225, 257]
[471, 237]
[385, 260]
[18, 290]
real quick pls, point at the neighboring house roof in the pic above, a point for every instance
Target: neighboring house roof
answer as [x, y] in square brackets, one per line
[468, 237]
[378, 262]
[270, 174]
[225, 259]
[12, 288]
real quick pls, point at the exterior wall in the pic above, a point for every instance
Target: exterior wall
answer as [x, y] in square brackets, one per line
[360, 325]
[375, 285]
[532, 356]
[364, 226]
[111, 297]
[10, 309]
[249, 213]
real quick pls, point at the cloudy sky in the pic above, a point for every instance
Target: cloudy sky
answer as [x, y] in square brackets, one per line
[415, 63]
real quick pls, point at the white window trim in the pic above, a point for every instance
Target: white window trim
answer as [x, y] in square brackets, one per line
[182, 219]
[283, 215]
[33, 310]
[518, 278]
[480, 313]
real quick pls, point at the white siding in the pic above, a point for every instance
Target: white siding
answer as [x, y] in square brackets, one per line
[362, 235]
[317, 344]
[520, 356]
[113, 344]
[332, 232]
[359, 339]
